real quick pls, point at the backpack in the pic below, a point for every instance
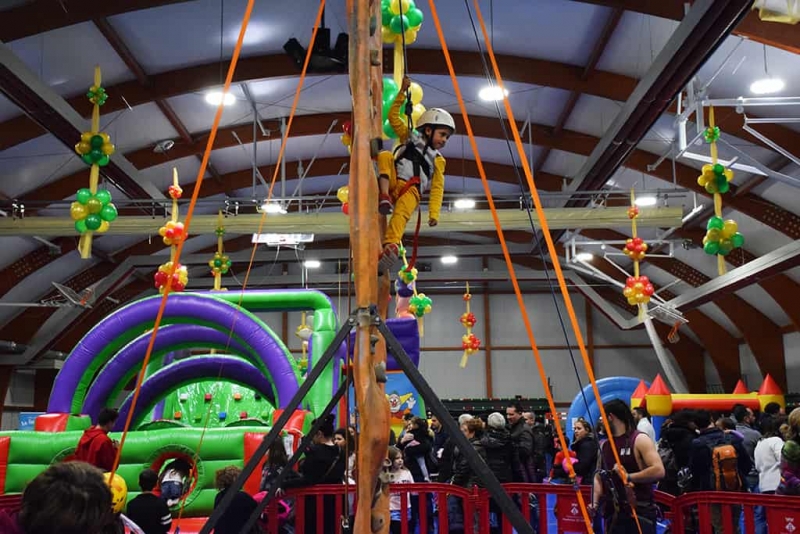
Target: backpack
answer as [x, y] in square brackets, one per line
[667, 454]
[725, 466]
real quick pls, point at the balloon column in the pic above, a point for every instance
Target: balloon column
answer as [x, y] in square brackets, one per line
[303, 331]
[722, 236]
[638, 288]
[172, 233]
[93, 210]
[419, 304]
[390, 90]
[469, 341]
[343, 194]
[220, 263]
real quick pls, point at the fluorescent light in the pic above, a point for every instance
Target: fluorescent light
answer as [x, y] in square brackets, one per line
[215, 98]
[283, 239]
[312, 264]
[584, 256]
[464, 204]
[449, 259]
[273, 208]
[492, 93]
[646, 201]
[767, 86]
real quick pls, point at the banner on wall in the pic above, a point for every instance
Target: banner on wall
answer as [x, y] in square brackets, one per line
[403, 399]
[27, 420]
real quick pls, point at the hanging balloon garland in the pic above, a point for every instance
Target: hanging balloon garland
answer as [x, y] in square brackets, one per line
[638, 288]
[304, 332]
[419, 304]
[469, 341]
[401, 20]
[220, 263]
[172, 233]
[722, 236]
[93, 210]
[343, 194]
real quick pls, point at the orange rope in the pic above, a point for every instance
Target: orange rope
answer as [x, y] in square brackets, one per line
[195, 194]
[512, 273]
[553, 255]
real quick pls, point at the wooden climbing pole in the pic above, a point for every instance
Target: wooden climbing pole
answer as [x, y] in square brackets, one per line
[365, 238]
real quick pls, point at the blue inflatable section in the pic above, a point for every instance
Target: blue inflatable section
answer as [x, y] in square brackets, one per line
[615, 387]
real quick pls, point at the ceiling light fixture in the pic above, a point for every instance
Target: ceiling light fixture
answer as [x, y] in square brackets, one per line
[312, 264]
[449, 259]
[215, 98]
[769, 84]
[584, 256]
[492, 93]
[464, 204]
[273, 208]
[646, 201]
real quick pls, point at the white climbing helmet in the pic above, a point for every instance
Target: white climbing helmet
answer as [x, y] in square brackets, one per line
[436, 117]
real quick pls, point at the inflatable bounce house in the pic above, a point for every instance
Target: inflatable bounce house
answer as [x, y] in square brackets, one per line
[660, 402]
[215, 368]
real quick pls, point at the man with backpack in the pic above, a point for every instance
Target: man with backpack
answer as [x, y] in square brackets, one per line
[718, 462]
[623, 494]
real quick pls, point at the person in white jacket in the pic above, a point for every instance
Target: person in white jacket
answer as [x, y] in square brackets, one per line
[643, 424]
[768, 455]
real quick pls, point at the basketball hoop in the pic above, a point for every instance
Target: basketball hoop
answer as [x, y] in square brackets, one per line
[673, 336]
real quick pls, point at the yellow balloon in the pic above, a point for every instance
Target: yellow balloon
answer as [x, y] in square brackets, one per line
[728, 174]
[398, 5]
[632, 301]
[77, 211]
[641, 298]
[713, 234]
[416, 113]
[628, 292]
[104, 226]
[108, 149]
[387, 36]
[86, 137]
[706, 169]
[638, 287]
[106, 138]
[343, 194]
[416, 93]
[730, 228]
[410, 36]
[701, 180]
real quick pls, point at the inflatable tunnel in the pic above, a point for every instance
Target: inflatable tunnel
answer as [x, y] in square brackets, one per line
[585, 405]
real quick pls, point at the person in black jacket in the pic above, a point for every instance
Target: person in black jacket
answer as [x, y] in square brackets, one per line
[238, 511]
[585, 448]
[417, 445]
[324, 463]
[499, 451]
[522, 437]
[675, 449]
[149, 512]
[463, 474]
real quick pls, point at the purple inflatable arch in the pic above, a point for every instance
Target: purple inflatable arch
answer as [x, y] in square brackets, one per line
[406, 331]
[182, 372]
[73, 381]
[131, 356]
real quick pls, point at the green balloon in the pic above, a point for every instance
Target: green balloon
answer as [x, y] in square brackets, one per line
[103, 195]
[737, 240]
[386, 14]
[217, 263]
[715, 222]
[723, 187]
[415, 17]
[96, 141]
[711, 247]
[96, 154]
[399, 24]
[109, 212]
[83, 195]
[719, 168]
[80, 226]
[725, 246]
[388, 130]
[87, 159]
[389, 86]
[93, 222]
[103, 161]
[711, 188]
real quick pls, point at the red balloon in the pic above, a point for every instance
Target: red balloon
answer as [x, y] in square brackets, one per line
[630, 281]
[346, 208]
[160, 278]
[347, 127]
[643, 279]
[649, 290]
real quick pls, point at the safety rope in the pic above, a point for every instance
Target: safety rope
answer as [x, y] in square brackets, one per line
[511, 271]
[187, 223]
[556, 267]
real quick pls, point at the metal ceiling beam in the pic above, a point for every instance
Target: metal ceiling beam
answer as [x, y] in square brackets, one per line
[39, 16]
[53, 113]
[568, 141]
[783, 36]
[699, 34]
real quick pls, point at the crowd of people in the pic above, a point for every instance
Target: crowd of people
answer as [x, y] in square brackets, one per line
[697, 451]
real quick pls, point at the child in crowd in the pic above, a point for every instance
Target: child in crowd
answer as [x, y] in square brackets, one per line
[173, 481]
[414, 166]
[149, 512]
[400, 475]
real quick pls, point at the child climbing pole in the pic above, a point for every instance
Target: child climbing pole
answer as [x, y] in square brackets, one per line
[415, 165]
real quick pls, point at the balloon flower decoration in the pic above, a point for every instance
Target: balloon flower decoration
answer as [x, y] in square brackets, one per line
[343, 194]
[347, 135]
[638, 289]
[172, 233]
[400, 21]
[220, 263]
[93, 210]
[304, 332]
[722, 236]
[418, 304]
[469, 341]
